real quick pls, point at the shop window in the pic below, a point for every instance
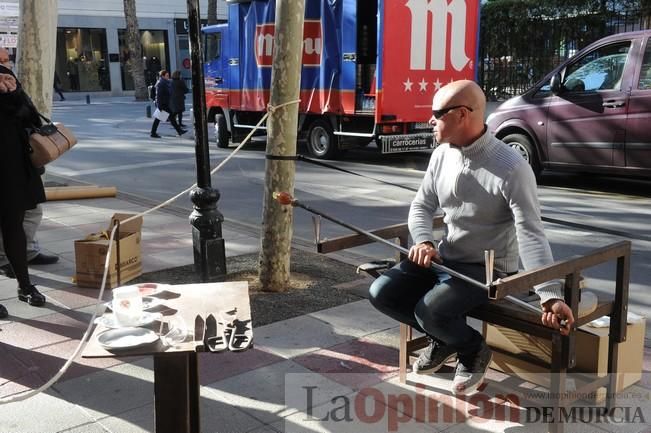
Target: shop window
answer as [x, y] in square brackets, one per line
[82, 60]
[154, 52]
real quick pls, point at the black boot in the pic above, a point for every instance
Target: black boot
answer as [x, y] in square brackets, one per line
[3, 312]
[31, 295]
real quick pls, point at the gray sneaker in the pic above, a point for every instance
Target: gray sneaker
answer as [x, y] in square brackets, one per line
[433, 357]
[467, 378]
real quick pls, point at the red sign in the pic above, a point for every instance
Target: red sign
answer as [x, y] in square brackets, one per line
[312, 43]
[427, 44]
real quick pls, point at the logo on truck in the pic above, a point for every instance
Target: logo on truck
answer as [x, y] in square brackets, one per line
[312, 43]
[436, 14]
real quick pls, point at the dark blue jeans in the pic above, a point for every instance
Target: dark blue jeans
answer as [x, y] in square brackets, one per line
[432, 301]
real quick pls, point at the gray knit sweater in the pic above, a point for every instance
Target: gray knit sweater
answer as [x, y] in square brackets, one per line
[488, 194]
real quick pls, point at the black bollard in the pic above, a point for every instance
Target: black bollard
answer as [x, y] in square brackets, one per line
[148, 111]
[87, 99]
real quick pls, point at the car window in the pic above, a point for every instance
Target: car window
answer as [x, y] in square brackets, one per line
[600, 69]
[645, 72]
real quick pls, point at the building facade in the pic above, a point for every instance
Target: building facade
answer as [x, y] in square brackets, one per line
[91, 51]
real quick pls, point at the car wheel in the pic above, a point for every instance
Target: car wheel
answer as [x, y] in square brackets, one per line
[522, 144]
[221, 131]
[321, 141]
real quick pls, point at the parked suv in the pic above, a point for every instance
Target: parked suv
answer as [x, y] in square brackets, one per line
[591, 113]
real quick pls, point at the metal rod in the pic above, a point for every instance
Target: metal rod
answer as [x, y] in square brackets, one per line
[377, 238]
[286, 198]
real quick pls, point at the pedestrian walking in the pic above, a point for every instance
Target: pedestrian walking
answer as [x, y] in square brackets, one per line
[57, 86]
[177, 102]
[163, 97]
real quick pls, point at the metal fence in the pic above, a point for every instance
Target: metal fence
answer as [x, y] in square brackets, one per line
[518, 52]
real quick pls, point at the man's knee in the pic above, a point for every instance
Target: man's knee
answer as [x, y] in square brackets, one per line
[429, 315]
[376, 293]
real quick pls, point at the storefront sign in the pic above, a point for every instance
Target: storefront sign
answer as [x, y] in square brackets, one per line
[8, 41]
[9, 9]
[182, 26]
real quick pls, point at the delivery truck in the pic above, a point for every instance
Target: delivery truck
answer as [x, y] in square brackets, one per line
[370, 69]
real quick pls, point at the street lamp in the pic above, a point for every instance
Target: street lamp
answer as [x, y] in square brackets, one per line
[206, 220]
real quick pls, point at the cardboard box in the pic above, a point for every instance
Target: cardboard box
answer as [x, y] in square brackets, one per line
[591, 354]
[90, 255]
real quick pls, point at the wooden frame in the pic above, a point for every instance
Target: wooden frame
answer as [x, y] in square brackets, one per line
[503, 313]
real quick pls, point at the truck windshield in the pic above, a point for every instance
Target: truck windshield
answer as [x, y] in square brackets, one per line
[212, 46]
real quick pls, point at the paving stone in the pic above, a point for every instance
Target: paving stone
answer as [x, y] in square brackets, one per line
[214, 367]
[345, 319]
[112, 391]
[262, 393]
[53, 412]
[282, 339]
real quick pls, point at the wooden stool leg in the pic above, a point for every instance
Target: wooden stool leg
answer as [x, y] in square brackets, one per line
[557, 386]
[405, 337]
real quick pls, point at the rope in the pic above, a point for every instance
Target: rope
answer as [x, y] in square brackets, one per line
[84, 339]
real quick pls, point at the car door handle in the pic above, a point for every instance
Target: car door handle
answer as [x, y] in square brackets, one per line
[613, 104]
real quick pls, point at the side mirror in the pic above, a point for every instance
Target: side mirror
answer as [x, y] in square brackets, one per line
[555, 84]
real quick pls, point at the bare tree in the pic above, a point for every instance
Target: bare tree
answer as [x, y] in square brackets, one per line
[135, 64]
[281, 142]
[36, 50]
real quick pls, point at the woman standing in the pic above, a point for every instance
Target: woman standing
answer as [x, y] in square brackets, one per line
[20, 183]
[177, 102]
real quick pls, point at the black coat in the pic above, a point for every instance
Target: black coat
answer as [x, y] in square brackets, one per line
[163, 90]
[177, 102]
[20, 182]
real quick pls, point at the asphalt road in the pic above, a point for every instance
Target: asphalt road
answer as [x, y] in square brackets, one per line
[581, 211]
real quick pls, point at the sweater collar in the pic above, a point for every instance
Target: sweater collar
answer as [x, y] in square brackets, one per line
[482, 146]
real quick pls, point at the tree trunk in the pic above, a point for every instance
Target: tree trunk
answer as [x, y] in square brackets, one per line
[135, 64]
[37, 37]
[281, 141]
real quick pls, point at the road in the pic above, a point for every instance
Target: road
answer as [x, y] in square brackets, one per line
[580, 211]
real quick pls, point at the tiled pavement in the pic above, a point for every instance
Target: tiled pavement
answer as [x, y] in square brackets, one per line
[332, 370]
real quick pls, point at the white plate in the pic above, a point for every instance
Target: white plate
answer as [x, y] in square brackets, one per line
[147, 303]
[108, 320]
[126, 338]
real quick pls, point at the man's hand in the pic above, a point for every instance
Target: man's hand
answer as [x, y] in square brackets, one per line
[7, 83]
[554, 311]
[424, 254]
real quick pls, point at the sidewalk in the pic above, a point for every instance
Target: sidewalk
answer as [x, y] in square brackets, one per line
[342, 354]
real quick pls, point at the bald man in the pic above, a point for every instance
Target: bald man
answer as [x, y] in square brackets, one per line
[488, 194]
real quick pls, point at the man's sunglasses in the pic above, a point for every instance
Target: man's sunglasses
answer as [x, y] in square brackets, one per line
[443, 111]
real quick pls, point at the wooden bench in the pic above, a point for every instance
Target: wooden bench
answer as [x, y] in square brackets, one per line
[506, 314]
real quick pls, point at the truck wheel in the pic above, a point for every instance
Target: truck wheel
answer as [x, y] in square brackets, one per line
[522, 144]
[321, 142]
[221, 131]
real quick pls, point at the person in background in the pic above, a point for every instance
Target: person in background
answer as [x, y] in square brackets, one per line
[31, 221]
[21, 187]
[5, 60]
[163, 96]
[488, 194]
[35, 256]
[177, 101]
[57, 86]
